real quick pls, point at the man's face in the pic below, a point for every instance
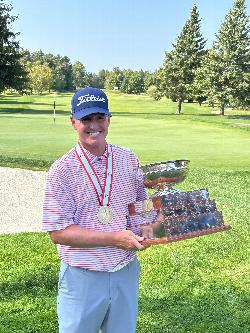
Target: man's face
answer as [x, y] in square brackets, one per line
[92, 130]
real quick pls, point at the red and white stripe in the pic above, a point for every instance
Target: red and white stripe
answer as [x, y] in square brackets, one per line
[71, 199]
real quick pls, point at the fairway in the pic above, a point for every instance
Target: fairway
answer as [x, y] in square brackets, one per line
[149, 128]
[199, 285]
[204, 144]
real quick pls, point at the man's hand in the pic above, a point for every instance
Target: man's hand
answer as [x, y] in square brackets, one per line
[127, 240]
[147, 231]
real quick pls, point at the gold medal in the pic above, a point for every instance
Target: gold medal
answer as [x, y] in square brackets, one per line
[105, 214]
[103, 192]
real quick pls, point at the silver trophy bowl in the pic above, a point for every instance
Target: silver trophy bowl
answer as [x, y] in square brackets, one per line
[165, 174]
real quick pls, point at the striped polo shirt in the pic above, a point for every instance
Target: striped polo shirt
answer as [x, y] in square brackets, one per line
[71, 199]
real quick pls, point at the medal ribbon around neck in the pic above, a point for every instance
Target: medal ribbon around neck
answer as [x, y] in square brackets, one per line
[103, 194]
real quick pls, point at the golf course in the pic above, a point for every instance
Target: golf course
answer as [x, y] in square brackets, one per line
[201, 285]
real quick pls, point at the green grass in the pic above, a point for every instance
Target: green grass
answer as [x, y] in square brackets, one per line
[202, 285]
[29, 137]
[195, 286]
[199, 285]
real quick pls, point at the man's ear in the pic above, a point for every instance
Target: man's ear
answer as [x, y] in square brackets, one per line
[73, 122]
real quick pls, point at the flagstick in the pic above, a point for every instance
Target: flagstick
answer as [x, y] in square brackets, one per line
[54, 107]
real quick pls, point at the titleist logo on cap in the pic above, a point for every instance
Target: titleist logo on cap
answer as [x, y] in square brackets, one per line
[89, 98]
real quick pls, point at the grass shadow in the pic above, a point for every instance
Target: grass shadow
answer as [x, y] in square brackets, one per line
[127, 113]
[241, 117]
[21, 103]
[25, 111]
[34, 283]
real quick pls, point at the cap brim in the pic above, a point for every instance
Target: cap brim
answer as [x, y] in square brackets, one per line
[86, 112]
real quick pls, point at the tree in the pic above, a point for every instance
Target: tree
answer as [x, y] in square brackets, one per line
[80, 79]
[178, 71]
[153, 92]
[126, 86]
[98, 80]
[133, 82]
[150, 79]
[12, 73]
[114, 78]
[200, 85]
[41, 77]
[225, 73]
[101, 78]
[63, 74]
[38, 56]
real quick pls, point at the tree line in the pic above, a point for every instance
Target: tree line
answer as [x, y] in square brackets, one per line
[190, 71]
[54, 72]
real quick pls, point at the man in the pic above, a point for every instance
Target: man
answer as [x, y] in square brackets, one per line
[86, 213]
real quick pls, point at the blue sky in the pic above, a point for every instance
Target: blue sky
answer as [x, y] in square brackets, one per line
[107, 33]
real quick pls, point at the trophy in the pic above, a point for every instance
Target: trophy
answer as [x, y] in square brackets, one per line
[183, 214]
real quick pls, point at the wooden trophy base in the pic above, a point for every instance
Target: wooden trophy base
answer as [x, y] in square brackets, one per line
[188, 235]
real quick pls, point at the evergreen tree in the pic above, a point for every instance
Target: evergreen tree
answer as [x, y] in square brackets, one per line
[12, 73]
[178, 71]
[225, 74]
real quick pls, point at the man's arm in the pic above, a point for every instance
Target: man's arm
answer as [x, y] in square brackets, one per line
[76, 236]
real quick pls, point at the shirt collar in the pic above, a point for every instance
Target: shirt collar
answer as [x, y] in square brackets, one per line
[93, 158]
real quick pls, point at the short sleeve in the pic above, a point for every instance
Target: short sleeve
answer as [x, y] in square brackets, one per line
[59, 206]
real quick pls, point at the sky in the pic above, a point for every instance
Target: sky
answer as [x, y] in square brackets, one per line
[103, 34]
